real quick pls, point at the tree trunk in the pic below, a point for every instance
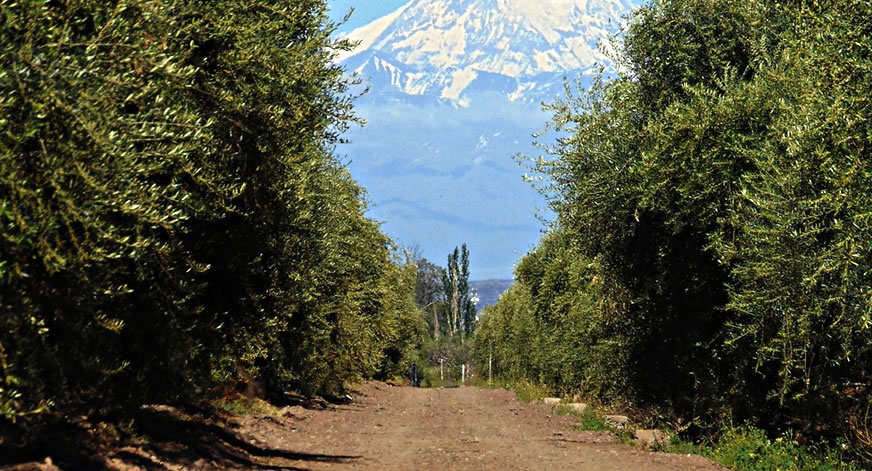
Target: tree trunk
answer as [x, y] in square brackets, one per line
[455, 302]
[436, 327]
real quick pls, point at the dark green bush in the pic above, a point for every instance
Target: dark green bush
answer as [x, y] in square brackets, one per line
[171, 211]
[718, 192]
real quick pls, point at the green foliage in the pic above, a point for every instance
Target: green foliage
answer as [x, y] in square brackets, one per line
[242, 405]
[549, 328]
[506, 332]
[454, 352]
[430, 377]
[588, 420]
[527, 391]
[171, 209]
[430, 295]
[711, 249]
[749, 449]
[402, 328]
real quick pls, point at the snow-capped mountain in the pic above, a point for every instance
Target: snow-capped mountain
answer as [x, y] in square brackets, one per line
[448, 49]
[455, 87]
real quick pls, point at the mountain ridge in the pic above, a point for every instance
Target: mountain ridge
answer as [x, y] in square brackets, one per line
[439, 48]
[489, 291]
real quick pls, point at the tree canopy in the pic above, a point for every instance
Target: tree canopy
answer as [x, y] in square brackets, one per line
[710, 251]
[171, 208]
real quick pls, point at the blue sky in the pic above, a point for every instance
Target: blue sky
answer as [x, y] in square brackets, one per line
[365, 11]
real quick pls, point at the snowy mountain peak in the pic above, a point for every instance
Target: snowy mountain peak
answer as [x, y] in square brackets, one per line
[441, 47]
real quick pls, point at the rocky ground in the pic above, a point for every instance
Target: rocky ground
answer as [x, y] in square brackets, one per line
[384, 427]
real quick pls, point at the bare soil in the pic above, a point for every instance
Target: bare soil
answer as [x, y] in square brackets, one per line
[383, 428]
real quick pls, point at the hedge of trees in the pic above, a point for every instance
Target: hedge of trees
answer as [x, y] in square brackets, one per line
[172, 208]
[711, 252]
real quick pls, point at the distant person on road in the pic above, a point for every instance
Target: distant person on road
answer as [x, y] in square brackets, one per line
[413, 375]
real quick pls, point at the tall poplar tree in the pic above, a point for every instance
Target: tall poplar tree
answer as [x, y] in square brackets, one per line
[460, 311]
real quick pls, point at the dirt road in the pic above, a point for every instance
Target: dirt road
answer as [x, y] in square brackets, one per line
[384, 428]
[464, 428]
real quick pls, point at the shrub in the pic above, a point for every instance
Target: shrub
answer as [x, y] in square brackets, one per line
[171, 211]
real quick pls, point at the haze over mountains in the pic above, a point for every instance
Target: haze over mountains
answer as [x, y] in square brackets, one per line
[455, 92]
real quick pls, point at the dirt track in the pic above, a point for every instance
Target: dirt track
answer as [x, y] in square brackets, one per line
[384, 428]
[464, 428]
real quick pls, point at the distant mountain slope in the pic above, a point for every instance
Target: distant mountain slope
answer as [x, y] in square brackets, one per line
[489, 291]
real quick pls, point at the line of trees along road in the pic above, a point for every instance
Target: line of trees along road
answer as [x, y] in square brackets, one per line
[711, 253]
[171, 208]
